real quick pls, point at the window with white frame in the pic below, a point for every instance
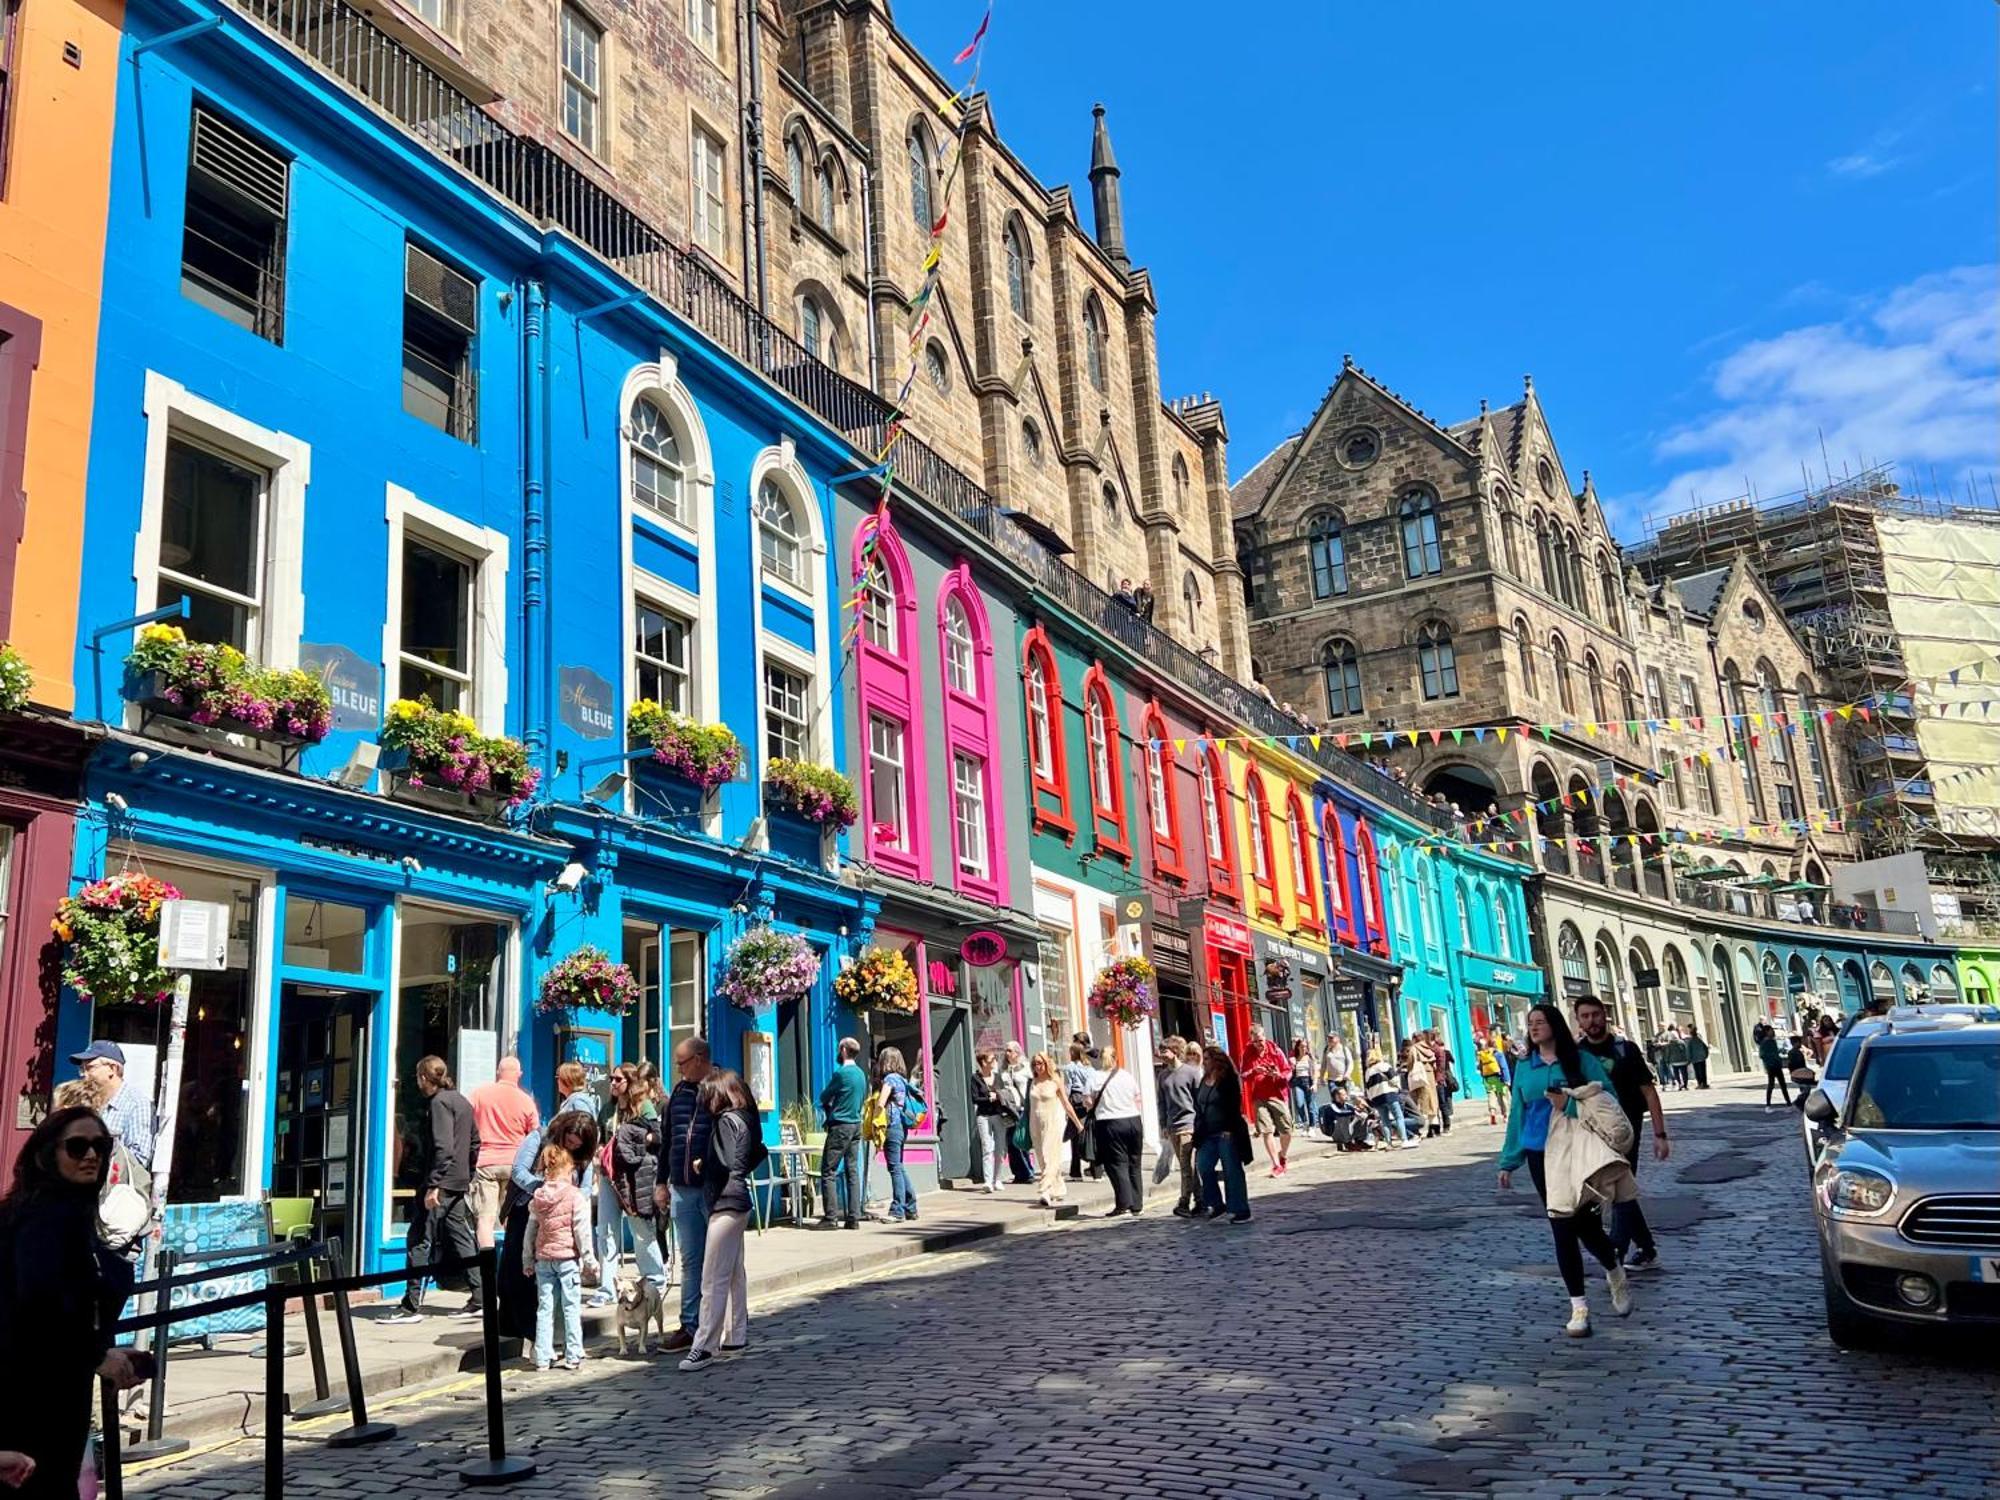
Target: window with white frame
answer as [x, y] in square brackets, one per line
[1041, 739]
[878, 607]
[787, 727]
[968, 810]
[659, 473]
[961, 671]
[1295, 841]
[582, 48]
[1260, 833]
[662, 655]
[212, 544]
[444, 631]
[435, 656]
[888, 803]
[1156, 788]
[779, 535]
[1211, 812]
[1097, 736]
[1503, 931]
[440, 14]
[708, 216]
[702, 24]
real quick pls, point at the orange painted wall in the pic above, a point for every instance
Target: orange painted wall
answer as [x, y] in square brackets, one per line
[51, 267]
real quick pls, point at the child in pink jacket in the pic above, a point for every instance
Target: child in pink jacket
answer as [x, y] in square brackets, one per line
[554, 1251]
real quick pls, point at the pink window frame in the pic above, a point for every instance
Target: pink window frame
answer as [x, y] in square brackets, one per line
[889, 683]
[968, 727]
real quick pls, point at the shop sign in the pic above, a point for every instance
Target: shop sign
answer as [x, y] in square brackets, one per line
[1301, 959]
[587, 703]
[1645, 979]
[1489, 975]
[1169, 949]
[1576, 988]
[983, 949]
[1347, 993]
[1224, 931]
[354, 685]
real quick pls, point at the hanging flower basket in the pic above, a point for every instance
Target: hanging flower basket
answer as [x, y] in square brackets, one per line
[111, 933]
[880, 979]
[441, 751]
[818, 794]
[17, 680]
[218, 687]
[1125, 991]
[765, 968]
[588, 980]
[704, 755]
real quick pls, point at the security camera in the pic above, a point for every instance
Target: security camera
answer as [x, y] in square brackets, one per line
[572, 876]
[414, 865]
[115, 802]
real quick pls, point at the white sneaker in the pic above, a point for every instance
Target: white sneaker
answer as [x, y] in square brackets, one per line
[1621, 1291]
[1578, 1326]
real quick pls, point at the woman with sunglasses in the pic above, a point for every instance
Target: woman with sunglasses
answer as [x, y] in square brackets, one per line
[61, 1290]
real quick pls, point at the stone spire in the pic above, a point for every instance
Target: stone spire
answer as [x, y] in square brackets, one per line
[1104, 193]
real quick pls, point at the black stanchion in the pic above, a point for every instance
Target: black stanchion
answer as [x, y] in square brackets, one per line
[496, 1468]
[111, 1468]
[360, 1430]
[274, 1392]
[156, 1444]
[324, 1403]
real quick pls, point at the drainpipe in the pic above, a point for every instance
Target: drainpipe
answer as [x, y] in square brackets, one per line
[534, 531]
[753, 153]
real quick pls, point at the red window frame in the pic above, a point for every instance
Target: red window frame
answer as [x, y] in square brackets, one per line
[1107, 819]
[1305, 888]
[1054, 787]
[1257, 805]
[1169, 858]
[1339, 886]
[1222, 874]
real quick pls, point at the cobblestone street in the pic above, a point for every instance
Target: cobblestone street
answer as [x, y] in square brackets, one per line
[1394, 1331]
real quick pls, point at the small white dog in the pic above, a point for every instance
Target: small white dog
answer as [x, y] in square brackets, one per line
[640, 1303]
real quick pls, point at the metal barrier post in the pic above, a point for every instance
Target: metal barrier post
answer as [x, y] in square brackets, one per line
[155, 1444]
[274, 1392]
[360, 1430]
[496, 1468]
[113, 1469]
[323, 1404]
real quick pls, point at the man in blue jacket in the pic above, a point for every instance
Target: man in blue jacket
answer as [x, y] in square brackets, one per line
[677, 1181]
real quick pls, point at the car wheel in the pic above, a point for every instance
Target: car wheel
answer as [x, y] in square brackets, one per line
[1846, 1324]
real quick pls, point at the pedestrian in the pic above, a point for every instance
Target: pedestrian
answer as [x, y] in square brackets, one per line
[1014, 1081]
[1176, 1089]
[991, 1121]
[1221, 1138]
[1049, 1115]
[1800, 1070]
[61, 1288]
[1675, 1056]
[1305, 1081]
[1638, 1095]
[1267, 1072]
[734, 1152]
[1698, 1050]
[635, 1167]
[677, 1186]
[1336, 1063]
[840, 1105]
[1554, 1063]
[1491, 1060]
[505, 1115]
[441, 1227]
[1772, 1057]
[1119, 1137]
[1142, 599]
[1384, 1087]
[557, 1249]
[1076, 1074]
[893, 1093]
[1421, 1080]
[1447, 1076]
[576, 1132]
[124, 1107]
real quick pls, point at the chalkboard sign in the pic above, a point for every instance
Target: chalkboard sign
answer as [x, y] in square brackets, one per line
[592, 1048]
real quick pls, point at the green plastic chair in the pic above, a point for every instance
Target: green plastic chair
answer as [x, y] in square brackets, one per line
[291, 1218]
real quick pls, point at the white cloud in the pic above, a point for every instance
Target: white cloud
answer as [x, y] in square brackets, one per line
[1863, 164]
[1910, 378]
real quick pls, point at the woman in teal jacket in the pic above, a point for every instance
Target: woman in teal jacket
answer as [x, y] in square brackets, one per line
[1554, 1063]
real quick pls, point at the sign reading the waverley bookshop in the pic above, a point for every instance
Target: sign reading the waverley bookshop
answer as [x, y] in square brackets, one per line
[587, 703]
[354, 685]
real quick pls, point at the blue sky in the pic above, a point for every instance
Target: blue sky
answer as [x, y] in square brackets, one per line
[1714, 232]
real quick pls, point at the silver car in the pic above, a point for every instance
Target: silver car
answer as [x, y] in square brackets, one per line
[1847, 1050]
[1907, 1190]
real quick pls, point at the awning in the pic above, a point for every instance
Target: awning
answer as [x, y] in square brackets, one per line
[1711, 872]
[1795, 886]
[1760, 881]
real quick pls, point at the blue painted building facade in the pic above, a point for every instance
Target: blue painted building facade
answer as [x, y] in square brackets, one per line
[372, 422]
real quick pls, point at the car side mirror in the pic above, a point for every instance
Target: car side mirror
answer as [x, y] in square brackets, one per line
[1820, 1109]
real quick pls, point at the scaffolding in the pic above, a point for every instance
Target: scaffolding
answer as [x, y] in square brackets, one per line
[1821, 553]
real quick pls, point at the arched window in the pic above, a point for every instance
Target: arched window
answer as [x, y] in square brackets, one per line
[659, 475]
[1503, 928]
[1422, 553]
[1510, 532]
[1569, 952]
[1368, 865]
[1614, 598]
[1298, 845]
[1263, 863]
[1180, 486]
[1437, 662]
[813, 330]
[1191, 603]
[1014, 247]
[1559, 664]
[1093, 340]
[1215, 832]
[1524, 651]
[1593, 674]
[1543, 554]
[1326, 547]
[879, 625]
[780, 533]
[1656, 696]
[894, 821]
[1737, 706]
[1162, 807]
[1464, 907]
[960, 650]
[1340, 669]
[1810, 726]
[1106, 762]
[1047, 762]
[1339, 894]
[1628, 703]
[1113, 510]
[971, 745]
[917, 147]
[1578, 596]
[795, 170]
[825, 186]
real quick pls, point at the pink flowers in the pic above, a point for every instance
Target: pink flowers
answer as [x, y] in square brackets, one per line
[588, 980]
[765, 968]
[218, 685]
[818, 794]
[1125, 991]
[112, 930]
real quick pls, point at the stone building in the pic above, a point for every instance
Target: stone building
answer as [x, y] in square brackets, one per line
[802, 148]
[1406, 575]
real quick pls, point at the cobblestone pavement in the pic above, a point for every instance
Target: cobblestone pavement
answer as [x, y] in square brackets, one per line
[1393, 1331]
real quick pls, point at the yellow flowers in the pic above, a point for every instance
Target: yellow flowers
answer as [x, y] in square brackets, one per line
[159, 632]
[405, 708]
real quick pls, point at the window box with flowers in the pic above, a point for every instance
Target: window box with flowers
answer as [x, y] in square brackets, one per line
[438, 758]
[17, 680]
[880, 979]
[110, 932]
[588, 980]
[216, 687]
[765, 968]
[1126, 991]
[695, 758]
[807, 805]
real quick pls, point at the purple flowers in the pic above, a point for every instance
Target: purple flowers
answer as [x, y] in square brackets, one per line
[705, 755]
[1125, 992]
[219, 685]
[818, 794]
[765, 968]
[588, 980]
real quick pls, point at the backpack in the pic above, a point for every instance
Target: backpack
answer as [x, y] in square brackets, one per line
[915, 1110]
[125, 1206]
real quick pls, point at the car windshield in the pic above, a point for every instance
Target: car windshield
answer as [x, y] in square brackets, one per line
[1953, 1087]
[1840, 1061]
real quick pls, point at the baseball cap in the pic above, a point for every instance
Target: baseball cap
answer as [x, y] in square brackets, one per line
[109, 1051]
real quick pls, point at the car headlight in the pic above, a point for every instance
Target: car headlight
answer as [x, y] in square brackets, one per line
[1851, 1190]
